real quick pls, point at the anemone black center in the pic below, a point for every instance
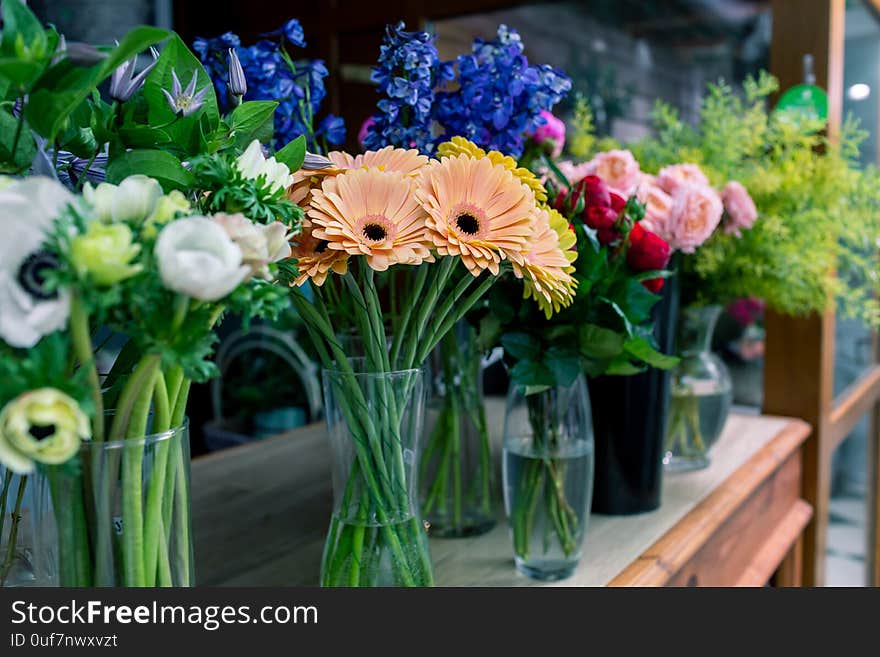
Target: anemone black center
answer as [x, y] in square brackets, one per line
[42, 431]
[322, 246]
[468, 224]
[375, 232]
[32, 274]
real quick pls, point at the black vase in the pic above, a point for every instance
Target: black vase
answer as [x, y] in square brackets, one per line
[629, 420]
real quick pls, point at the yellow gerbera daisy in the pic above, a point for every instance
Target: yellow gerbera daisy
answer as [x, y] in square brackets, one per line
[477, 210]
[546, 268]
[314, 259]
[460, 145]
[372, 213]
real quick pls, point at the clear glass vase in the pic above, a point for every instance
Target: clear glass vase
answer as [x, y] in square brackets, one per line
[548, 477]
[701, 393]
[25, 526]
[122, 513]
[456, 473]
[376, 535]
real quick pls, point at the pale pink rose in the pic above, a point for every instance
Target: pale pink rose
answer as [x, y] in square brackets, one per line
[365, 126]
[672, 177]
[696, 213]
[553, 131]
[618, 169]
[658, 209]
[740, 207]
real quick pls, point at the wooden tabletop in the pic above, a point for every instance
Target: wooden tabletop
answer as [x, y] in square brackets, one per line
[260, 513]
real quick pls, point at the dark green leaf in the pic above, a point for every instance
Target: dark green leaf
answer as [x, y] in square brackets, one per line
[247, 119]
[599, 342]
[531, 374]
[564, 363]
[160, 165]
[293, 154]
[521, 346]
[24, 151]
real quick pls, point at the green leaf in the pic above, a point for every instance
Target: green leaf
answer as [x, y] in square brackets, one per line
[599, 342]
[531, 374]
[21, 28]
[521, 346]
[293, 154]
[160, 165]
[251, 117]
[24, 152]
[185, 132]
[654, 273]
[143, 136]
[643, 350]
[21, 73]
[564, 364]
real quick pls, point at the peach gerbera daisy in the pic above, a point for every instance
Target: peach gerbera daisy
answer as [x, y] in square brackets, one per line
[478, 211]
[372, 213]
[314, 259]
[389, 158]
[459, 145]
[547, 265]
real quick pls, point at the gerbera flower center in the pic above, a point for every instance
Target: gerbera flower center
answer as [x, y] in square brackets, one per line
[321, 246]
[468, 224]
[32, 274]
[375, 232]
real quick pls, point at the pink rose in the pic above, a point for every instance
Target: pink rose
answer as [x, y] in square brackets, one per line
[552, 131]
[672, 177]
[696, 213]
[365, 127]
[740, 207]
[658, 208]
[618, 169]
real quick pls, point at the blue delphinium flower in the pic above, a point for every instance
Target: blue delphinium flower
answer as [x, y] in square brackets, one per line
[408, 71]
[500, 96]
[292, 31]
[297, 86]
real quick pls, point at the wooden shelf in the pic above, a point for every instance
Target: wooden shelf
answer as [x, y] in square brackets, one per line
[260, 513]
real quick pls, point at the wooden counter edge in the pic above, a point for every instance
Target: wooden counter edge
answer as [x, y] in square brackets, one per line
[657, 565]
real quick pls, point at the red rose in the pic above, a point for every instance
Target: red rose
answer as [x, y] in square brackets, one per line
[618, 203]
[647, 252]
[594, 190]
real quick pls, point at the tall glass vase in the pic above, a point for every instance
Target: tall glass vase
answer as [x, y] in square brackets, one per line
[122, 513]
[376, 535]
[25, 529]
[701, 393]
[548, 477]
[455, 469]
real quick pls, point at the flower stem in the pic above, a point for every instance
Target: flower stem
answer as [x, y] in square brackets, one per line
[81, 338]
[13, 532]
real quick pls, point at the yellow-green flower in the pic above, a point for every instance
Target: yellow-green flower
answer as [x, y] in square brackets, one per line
[41, 426]
[168, 207]
[104, 253]
[459, 145]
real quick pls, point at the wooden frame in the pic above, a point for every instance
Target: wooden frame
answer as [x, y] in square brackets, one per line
[799, 363]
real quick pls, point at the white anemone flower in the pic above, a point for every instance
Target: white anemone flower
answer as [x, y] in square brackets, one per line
[28, 209]
[253, 164]
[134, 199]
[196, 257]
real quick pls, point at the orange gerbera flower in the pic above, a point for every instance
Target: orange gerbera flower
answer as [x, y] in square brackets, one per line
[372, 213]
[547, 266]
[389, 158]
[478, 210]
[314, 259]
